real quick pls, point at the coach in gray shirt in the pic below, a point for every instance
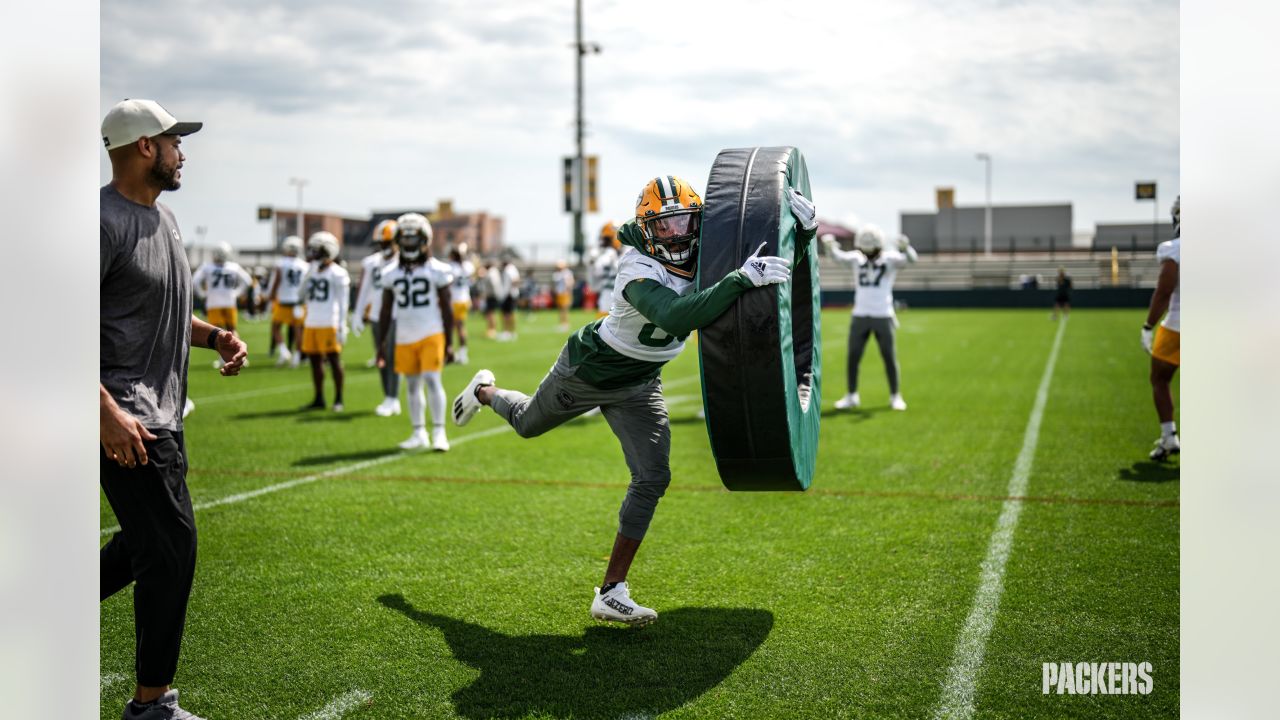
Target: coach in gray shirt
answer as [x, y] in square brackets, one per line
[145, 335]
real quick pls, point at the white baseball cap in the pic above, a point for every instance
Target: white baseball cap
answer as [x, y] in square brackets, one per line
[133, 119]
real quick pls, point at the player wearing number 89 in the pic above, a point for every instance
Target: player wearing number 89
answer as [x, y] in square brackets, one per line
[326, 289]
[876, 267]
[614, 363]
[417, 288]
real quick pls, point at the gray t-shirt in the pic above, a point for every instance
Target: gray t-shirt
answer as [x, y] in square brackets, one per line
[145, 332]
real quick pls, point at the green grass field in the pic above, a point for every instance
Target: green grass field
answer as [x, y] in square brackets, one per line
[426, 585]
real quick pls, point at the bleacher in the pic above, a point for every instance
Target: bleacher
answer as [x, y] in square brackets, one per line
[968, 272]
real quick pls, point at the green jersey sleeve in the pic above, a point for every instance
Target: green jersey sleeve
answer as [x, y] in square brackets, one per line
[678, 316]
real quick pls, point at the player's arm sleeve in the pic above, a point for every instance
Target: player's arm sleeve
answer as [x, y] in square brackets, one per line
[678, 315]
[364, 292]
[629, 234]
[911, 254]
[848, 256]
[344, 296]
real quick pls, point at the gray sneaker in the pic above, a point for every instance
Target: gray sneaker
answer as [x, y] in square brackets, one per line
[164, 708]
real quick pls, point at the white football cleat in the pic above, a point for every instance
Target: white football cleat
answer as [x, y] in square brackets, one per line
[388, 407]
[897, 403]
[338, 407]
[282, 355]
[439, 442]
[466, 405]
[297, 359]
[848, 402]
[1166, 447]
[371, 362]
[460, 356]
[417, 440]
[617, 606]
[186, 409]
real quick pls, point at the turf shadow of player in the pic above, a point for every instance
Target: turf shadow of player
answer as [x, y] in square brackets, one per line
[1149, 471]
[608, 672]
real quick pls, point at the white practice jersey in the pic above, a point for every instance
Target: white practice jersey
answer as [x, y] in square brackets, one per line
[417, 308]
[289, 291]
[631, 333]
[508, 282]
[221, 284]
[372, 268]
[462, 273]
[1172, 250]
[874, 296]
[604, 270]
[562, 281]
[326, 292]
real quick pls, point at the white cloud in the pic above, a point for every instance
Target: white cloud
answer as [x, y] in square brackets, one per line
[390, 103]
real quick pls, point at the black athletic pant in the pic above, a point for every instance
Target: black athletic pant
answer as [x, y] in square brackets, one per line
[390, 380]
[860, 330]
[155, 549]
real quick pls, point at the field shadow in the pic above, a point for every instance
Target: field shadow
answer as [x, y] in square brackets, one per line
[1151, 472]
[268, 414]
[607, 673]
[345, 457]
[856, 414]
[330, 416]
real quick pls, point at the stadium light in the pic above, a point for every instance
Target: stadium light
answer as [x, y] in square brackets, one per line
[300, 182]
[986, 230]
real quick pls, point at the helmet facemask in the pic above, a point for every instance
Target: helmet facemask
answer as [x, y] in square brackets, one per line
[411, 244]
[673, 237]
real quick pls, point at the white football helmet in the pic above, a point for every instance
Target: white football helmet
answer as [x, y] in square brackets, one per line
[323, 245]
[414, 235]
[292, 246]
[221, 252]
[870, 239]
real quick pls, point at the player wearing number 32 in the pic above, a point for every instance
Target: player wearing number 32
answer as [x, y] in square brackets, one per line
[327, 290]
[417, 287]
[614, 363]
[877, 267]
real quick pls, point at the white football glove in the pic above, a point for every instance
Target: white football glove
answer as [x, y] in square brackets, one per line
[342, 335]
[1148, 336]
[804, 210]
[904, 242]
[357, 324]
[299, 311]
[766, 269]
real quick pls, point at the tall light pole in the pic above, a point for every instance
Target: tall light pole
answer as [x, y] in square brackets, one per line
[300, 182]
[581, 49]
[986, 230]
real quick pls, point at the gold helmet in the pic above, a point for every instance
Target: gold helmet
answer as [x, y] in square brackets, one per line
[609, 236]
[669, 214]
[384, 234]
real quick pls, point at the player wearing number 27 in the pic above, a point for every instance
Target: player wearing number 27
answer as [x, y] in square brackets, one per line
[416, 292]
[614, 363]
[876, 267]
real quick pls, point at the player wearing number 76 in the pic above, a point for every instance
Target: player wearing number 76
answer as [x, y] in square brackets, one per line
[876, 268]
[417, 287]
[614, 362]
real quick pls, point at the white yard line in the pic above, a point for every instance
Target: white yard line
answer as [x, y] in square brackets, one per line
[961, 683]
[353, 467]
[339, 706]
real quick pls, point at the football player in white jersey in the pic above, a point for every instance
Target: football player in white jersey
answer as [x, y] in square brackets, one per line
[562, 287]
[221, 283]
[285, 292]
[327, 292]
[508, 291]
[416, 292]
[462, 270]
[604, 268]
[614, 363]
[876, 268]
[1163, 342]
[369, 305]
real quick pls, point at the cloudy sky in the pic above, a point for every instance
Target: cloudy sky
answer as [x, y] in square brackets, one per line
[393, 103]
